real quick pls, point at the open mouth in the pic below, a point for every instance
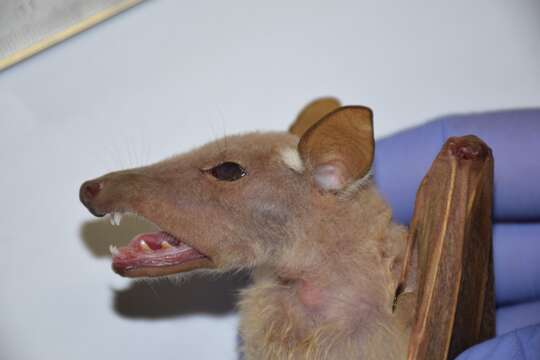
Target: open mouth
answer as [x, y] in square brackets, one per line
[155, 254]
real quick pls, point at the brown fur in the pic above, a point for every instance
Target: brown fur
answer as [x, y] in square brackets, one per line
[325, 265]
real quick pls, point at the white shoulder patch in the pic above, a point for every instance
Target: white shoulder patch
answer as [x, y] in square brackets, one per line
[291, 158]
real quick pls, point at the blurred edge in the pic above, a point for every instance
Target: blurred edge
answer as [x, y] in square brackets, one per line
[71, 30]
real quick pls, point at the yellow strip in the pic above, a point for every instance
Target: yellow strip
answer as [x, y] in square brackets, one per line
[67, 33]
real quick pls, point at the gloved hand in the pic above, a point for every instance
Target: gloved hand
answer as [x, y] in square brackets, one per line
[403, 159]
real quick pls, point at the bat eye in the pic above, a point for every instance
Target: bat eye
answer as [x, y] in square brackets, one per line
[228, 171]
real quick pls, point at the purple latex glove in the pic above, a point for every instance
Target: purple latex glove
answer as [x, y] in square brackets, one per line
[402, 160]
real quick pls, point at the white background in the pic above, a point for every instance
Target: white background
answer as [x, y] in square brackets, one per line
[168, 75]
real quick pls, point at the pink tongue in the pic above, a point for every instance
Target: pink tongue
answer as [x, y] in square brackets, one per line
[154, 240]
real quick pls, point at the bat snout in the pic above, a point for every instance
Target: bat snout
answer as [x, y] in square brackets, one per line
[88, 194]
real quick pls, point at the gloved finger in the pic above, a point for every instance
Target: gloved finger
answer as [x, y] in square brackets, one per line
[402, 160]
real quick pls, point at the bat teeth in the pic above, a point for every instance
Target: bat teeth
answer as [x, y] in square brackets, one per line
[166, 245]
[116, 217]
[114, 250]
[144, 246]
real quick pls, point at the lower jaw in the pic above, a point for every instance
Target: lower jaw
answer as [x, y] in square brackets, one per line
[156, 271]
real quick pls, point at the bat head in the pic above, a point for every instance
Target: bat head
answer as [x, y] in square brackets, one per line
[241, 201]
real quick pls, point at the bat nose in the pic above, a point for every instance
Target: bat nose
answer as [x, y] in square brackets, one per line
[89, 192]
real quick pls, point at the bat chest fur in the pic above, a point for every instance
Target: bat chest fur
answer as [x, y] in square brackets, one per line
[294, 317]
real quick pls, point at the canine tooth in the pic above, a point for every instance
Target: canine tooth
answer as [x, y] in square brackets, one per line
[116, 217]
[114, 250]
[144, 246]
[165, 245]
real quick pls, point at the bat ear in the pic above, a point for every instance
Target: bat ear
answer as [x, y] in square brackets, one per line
[311, 113]
[338, 149]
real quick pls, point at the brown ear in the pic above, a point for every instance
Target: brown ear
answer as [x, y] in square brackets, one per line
[339, 148]
[313, 112]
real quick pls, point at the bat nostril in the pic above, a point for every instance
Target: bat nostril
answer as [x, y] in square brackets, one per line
[93, 188]
[88, 193]
[89, 190]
